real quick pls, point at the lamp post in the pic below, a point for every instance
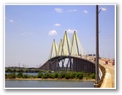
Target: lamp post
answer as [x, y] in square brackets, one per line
[97, 43]
[97, 47]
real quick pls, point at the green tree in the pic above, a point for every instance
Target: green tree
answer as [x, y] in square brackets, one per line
[80, 75]
[56, 75]
[52, 75]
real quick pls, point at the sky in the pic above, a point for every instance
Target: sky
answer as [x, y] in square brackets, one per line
[30, 30]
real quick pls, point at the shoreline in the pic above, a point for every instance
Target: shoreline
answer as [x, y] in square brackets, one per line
[93, 80]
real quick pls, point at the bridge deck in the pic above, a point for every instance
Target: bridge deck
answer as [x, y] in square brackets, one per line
[109, 79]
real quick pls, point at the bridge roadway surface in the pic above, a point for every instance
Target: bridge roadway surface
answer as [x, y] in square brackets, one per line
[109, 79]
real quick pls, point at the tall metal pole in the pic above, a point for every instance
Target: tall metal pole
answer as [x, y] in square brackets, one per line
[97, 45]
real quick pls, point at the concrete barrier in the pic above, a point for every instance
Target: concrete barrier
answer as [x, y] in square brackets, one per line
[107, 81]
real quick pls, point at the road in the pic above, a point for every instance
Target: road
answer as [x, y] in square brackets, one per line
[110, 76]
[109, 80]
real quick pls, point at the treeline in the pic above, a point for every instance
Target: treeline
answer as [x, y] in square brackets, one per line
[26, 70]
[58, 75]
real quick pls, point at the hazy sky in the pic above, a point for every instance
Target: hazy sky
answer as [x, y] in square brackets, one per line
[30, 30]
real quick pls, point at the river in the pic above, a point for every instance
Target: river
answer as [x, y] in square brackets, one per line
[48, 84]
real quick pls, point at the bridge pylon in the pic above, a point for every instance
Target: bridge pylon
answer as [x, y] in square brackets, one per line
[54, 49]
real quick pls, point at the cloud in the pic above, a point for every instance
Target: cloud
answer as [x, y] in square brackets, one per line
[58, 10]
[85, 11]
[57, 24]
[11, 20]
[71, 30]
[73, 10]
[52, 32]
[103, 9]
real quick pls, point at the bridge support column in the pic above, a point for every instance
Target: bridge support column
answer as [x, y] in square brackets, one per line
[50, 66]
[62, 65]
[70, 64]
[74, 65]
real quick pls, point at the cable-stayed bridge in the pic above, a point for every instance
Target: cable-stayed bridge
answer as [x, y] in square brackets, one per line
[69, 55]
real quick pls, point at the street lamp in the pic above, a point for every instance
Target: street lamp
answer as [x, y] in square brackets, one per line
[97, 43]
[97, 47]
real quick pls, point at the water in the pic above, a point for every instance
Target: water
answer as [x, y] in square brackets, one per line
[48, 84]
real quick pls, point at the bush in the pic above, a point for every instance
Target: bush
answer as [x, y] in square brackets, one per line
[86, 74]
[20, 75]
[67, 76]
[11, 76]
[80, 75]
[61, 75]
[40, 75]
[25, 76]
[46, 75]
[92, 76]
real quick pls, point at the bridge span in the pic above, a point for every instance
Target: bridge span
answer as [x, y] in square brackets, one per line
[70, 56]
[73, 64]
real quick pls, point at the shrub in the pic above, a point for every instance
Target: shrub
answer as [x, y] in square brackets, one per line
[56, 75]
[11, 76]
[25, 76]
[79, 75]
[20, 75]
[73, 75]
[46, 75]
[92, 76]
[67, 76]
[52, 75]
[61, 75]
[40, 75]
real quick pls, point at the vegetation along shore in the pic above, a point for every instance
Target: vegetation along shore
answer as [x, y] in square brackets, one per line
[49, 75]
